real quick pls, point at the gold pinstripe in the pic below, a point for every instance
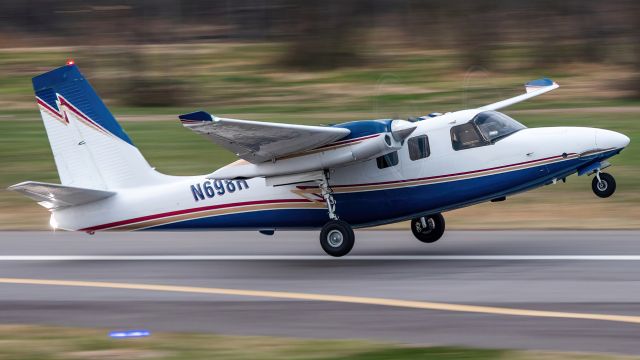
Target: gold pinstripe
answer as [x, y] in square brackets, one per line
[214, 212]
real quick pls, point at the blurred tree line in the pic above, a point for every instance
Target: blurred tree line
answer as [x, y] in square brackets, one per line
[329, 34]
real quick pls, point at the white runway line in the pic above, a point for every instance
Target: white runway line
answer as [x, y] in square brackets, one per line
[318, 258]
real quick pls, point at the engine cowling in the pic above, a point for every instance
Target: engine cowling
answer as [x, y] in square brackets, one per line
[334, 155]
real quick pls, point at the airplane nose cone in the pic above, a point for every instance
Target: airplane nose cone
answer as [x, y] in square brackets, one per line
[610, 139]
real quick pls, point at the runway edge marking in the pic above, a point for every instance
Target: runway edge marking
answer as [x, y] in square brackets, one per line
[411, 304]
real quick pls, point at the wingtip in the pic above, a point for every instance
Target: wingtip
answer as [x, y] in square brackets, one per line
[16, 187]
[195, 117]
[540, 83]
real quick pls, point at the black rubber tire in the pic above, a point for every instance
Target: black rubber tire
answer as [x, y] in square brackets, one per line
[429, 235]
[607, 189]
[347, 236]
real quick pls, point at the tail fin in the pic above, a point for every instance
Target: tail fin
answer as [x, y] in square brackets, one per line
[90, 148]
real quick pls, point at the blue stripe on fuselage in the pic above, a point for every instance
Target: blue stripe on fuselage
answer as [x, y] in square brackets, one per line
[385, 206]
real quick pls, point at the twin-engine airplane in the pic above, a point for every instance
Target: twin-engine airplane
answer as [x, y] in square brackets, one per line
[333, 178]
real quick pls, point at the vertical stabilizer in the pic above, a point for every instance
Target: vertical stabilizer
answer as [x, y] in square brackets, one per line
[90, 148]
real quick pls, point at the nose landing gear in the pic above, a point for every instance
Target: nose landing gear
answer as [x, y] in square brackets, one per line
[429, 228]
[603, 185]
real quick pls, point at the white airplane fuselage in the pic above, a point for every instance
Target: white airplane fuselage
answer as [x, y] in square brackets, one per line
[365, 194]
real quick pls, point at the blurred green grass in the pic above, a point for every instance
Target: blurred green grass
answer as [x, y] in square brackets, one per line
[47, 342]
[245, 81]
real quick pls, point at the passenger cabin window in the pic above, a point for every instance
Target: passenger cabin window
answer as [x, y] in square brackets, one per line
[418, 147]
[391, 159]
[485, 128]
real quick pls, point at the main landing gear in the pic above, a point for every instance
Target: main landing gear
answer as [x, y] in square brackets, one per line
[428, 228]
[336, 237]
[603, 185]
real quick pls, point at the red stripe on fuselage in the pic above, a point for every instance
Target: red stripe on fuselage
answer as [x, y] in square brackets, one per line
[188, 211]
[213, 207]
[442, 176]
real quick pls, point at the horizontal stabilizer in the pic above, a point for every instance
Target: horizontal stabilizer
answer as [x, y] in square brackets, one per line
[53, 196]
[257, 141]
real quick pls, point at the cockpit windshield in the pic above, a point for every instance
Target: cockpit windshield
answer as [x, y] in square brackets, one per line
[494, 125]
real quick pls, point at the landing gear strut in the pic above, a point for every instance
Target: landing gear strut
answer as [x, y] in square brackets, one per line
[603, 185]
[336, 237]
[428, 228]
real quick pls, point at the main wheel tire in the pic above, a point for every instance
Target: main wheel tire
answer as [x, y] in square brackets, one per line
[337, 238]
[432, 232]
[605, 187]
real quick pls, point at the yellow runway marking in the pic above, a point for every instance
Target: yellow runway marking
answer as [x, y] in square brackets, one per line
[426, 305]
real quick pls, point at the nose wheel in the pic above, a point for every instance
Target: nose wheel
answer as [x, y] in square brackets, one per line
[603, 185]
[428, 228]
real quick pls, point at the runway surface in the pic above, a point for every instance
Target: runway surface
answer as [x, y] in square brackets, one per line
[560, 290]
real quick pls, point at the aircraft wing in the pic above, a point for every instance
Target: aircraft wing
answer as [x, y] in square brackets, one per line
[256, 141]
[53, 196]
[534, 88]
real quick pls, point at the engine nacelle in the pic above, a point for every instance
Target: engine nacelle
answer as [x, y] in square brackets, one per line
[331, 156]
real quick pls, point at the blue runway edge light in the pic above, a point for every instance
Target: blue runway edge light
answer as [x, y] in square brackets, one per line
[129, 334]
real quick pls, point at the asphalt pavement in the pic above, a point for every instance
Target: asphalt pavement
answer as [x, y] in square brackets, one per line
[523, 288]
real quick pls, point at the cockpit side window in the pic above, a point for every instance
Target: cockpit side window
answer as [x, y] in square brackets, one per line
[466, 136]
[494, 125]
